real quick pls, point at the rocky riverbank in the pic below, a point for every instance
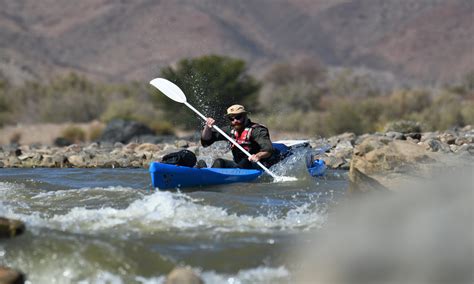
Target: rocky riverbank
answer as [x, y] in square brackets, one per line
[339, 151]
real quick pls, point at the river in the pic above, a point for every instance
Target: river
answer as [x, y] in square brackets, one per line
[109, 226]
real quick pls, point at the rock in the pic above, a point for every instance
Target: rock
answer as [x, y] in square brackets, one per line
[147, 147]
[347, 136]
[92, 146]
[182, 275]
[447, 138]
[130, 147]
[436, 146]
[395, 135]
[369, 144]
[182, 144]
[463, 140]
[466, 148]
[344, 149]
[10, 276]
[73, 148]
[13, 161]
[333, 162]
[10, 228]
[124, 131]
[76, 160]
[47, 161]
[361, 183]
[414, 135]
[390, 163]
[118, 145]
[62, 142]
[17, 152]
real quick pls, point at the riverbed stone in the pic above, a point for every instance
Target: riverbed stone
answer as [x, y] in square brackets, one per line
[183, 275]
[436, 146]
[395, 135]
[10, 228]
[333, 162]
[182, 144]
[11, 276]
[77, 160]
[391, 163]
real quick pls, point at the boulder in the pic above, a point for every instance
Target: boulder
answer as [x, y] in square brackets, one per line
[389, 163]
[77, 160]
[183, 275]
[124, 131]
[10, 276]
[10, 228]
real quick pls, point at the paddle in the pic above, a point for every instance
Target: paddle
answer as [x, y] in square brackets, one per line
[173, 92]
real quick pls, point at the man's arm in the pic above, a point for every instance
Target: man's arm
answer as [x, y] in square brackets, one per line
[262, 137]
[206, 135]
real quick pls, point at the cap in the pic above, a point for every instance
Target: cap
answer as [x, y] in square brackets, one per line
[235, 109]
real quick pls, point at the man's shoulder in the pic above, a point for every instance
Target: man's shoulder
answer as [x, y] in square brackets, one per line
[259, 126]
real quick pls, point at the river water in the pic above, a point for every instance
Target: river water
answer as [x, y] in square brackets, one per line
[108, 226]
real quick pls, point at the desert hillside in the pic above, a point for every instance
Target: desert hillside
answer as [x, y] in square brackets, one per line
[425, 40]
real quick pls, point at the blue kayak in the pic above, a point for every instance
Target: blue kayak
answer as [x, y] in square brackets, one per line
[166, 176]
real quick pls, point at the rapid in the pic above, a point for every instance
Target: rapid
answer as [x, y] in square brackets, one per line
[109, 226]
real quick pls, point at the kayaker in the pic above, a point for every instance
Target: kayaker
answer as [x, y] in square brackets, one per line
[253, 137]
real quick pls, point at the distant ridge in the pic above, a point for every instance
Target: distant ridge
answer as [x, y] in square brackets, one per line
[426, 40]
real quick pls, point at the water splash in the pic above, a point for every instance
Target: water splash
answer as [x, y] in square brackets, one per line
[163, 211]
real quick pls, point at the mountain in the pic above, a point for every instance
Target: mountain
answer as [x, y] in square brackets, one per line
[425, 40]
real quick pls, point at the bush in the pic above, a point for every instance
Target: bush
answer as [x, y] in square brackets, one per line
[74, 134]
[71, 98]
[467, 112]
[348, 83]
[403, 126]
[295, 96]
[293, 87]
[445, 112]
[405, 102]
[211, 83]
[95, 131]
[342, 116]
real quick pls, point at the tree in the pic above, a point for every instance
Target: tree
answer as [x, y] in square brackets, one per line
[211, 84]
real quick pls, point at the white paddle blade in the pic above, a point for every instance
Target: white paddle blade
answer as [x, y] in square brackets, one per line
[169, 89]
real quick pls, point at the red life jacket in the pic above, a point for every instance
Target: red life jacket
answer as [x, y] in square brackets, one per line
[244, 138]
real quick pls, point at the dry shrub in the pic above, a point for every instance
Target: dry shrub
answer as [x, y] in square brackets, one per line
[15, 137]
[74, 134]
[95, 131]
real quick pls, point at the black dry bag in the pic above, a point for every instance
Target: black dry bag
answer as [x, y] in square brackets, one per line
[184, 158]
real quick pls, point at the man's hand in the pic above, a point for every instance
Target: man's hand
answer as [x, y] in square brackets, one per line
[254, 158]
[210, 122]
[206, 132]
[260, 155]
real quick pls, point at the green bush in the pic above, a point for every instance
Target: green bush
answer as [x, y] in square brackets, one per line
[211, 83]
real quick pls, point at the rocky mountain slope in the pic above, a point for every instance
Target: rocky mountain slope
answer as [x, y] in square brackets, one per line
[429, 40]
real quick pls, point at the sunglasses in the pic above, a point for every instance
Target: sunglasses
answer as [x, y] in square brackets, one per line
[237, 117]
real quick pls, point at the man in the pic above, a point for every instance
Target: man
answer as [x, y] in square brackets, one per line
[253, 137]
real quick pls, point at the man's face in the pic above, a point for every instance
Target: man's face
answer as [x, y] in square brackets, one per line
[237, 121]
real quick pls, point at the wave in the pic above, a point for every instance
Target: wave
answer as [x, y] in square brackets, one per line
[159, 211]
